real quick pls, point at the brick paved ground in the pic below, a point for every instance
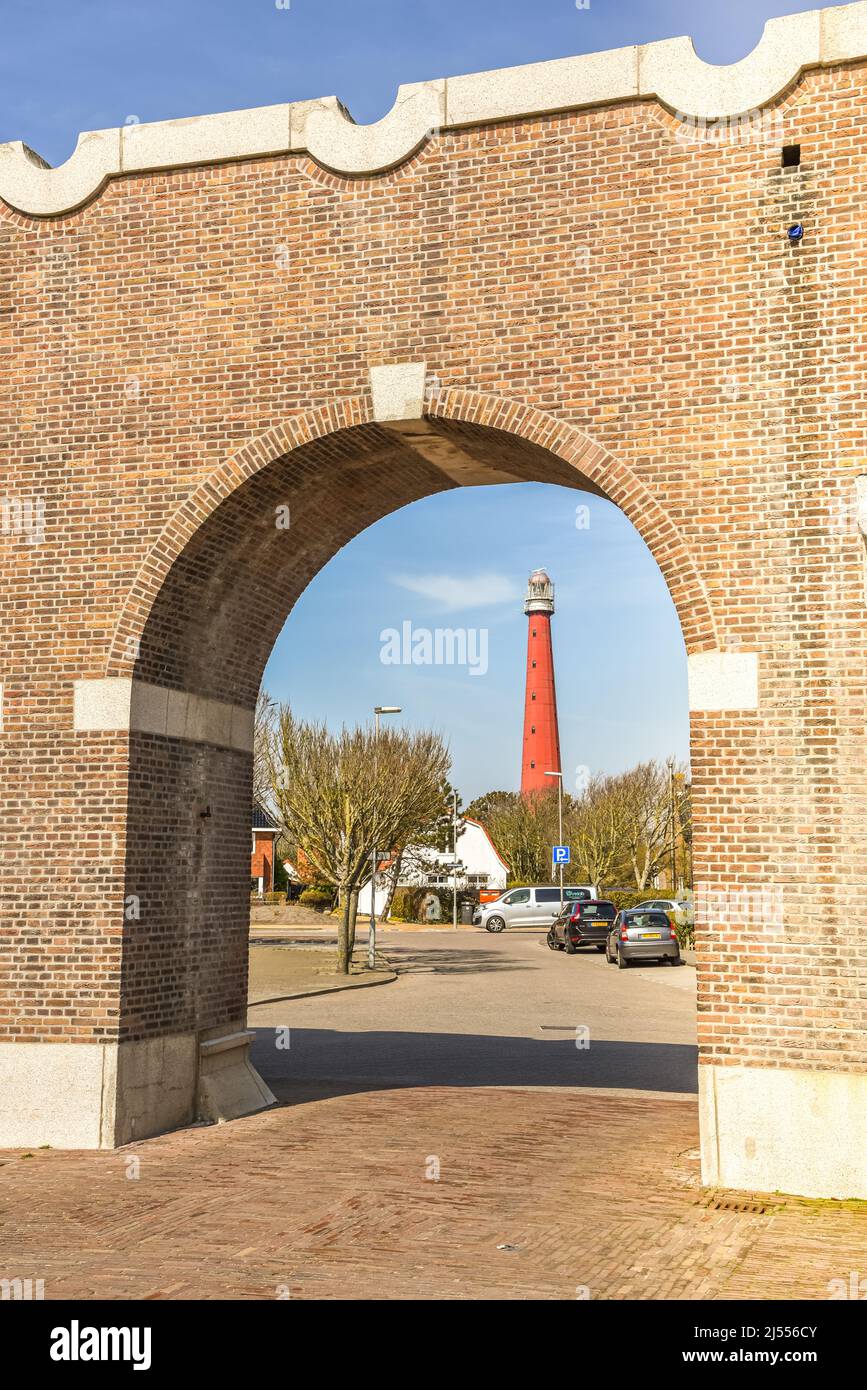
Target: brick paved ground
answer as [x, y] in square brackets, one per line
[329, 1199]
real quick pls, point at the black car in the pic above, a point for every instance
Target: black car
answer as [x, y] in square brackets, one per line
[641, 933]
[582, 924]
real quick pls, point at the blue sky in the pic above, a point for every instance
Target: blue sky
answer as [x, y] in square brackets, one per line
[621, 668]
[620, 662]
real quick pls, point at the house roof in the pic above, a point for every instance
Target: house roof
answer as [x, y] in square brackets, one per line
[261, 819]
[484, 828]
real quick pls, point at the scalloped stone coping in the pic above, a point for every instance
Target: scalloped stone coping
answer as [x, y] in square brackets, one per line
[669, 71]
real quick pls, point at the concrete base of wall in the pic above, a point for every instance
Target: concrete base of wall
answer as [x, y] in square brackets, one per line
[229, 1084]
[766, 1129]
[102, 1095]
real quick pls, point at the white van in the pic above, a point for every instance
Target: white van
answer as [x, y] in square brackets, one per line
[536, 906]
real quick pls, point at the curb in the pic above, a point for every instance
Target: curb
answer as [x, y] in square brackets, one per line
[388, 979]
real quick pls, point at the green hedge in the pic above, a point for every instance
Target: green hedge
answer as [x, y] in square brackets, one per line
[318, 895]
[624, 898]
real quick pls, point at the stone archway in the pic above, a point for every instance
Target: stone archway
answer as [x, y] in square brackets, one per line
[191, 641]
[599, 294]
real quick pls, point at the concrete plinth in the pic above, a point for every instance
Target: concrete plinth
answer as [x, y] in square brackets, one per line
[767, 1129]
[102, 1095]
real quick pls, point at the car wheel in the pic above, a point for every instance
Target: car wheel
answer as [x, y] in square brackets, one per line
[622, 962]
[569, 947]
[674, 960]
[494, 924]
[552, 941]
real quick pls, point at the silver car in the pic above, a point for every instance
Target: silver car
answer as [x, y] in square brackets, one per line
[535, 906]
[641, 934]
[680, 909]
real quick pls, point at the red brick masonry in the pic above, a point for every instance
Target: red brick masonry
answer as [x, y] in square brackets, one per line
[600, 302]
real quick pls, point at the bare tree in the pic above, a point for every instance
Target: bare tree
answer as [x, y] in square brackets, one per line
[338, 796]
[263, 726]
[594, 826]
[622, 824]
[649, 810]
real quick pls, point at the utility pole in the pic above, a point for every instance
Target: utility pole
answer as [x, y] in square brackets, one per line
[371, 933]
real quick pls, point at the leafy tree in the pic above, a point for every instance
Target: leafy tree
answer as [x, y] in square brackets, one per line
[524, 829]
[484, 807]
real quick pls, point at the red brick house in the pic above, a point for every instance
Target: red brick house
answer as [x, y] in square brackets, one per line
[265, 833]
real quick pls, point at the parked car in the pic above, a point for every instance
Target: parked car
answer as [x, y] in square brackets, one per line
[681, 909]
[584, 923]
[529, 907]
[642, 934]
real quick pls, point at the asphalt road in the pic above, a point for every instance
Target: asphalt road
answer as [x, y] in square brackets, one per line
[471, 1009]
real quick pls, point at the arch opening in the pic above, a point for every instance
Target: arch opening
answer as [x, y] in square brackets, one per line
[204, 621]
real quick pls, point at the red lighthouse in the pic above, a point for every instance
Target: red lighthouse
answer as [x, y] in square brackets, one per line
[541, 752]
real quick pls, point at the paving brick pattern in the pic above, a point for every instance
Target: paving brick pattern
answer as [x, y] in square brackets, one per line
[330, 1199]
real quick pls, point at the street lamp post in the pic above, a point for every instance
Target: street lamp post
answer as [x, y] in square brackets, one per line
[371, 934]
[559, 777]
[455, 867]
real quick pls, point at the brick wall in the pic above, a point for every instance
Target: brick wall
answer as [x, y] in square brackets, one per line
[599, 303]
[262, 860]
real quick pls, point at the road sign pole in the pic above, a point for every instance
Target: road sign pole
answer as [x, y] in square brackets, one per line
[560, 815]
[559, 858]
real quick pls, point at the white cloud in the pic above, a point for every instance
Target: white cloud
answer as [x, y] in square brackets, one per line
[454, 592]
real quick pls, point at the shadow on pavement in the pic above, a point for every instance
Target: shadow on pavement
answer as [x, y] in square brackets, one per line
[444, 960]
[327, 1062]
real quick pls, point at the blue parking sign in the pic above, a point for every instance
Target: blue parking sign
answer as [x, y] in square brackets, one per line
[561, 854]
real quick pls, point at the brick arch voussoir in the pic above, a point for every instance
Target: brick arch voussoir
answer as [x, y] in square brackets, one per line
[195, 511]
[559, 437]
[623, 487]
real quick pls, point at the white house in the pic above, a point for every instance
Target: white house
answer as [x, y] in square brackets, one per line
[479, 866]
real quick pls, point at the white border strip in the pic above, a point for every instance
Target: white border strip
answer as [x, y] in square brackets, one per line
[120, 704]
[669, 71]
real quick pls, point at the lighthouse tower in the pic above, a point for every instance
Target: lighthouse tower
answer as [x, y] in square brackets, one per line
[541, 751]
